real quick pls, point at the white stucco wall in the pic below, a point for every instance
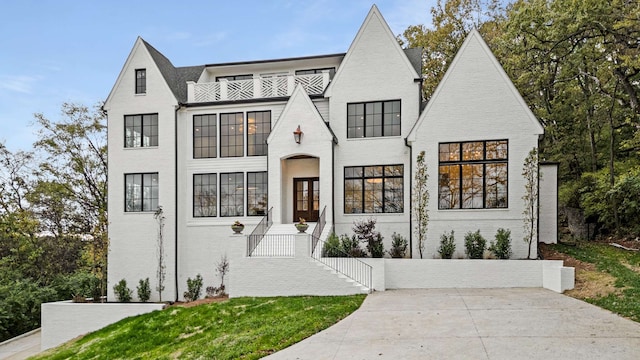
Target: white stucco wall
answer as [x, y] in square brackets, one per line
[63, 321]
[132, 235]
[548, 203]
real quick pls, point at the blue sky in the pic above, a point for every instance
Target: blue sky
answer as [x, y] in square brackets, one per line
[55, 51]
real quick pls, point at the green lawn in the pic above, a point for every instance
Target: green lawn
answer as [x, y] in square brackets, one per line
[622, 265]
[246, 328]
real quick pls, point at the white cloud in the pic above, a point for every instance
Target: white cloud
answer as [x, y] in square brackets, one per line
[22, 84]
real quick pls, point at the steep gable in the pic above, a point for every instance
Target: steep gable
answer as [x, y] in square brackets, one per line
[477, 94]
[373, 40]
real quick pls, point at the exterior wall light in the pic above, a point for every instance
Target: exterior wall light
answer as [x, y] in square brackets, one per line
[297, 135]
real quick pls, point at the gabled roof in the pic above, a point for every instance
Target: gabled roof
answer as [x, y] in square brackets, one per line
[375, 15]
[474, 36]
[415, 57]
[176, 78]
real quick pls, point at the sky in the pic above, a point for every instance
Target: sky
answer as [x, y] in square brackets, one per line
[57, 51]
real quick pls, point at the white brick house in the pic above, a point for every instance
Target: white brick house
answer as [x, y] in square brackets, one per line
[215, 143]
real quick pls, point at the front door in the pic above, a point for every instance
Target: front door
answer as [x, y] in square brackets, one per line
[306, 199]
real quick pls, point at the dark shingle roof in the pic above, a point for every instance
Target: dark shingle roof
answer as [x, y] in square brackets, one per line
[415, 58]
[176, 78]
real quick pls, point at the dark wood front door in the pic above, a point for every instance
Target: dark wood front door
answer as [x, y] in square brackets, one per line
[306, 199]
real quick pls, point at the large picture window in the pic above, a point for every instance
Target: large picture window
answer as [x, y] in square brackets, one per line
[231, 135]
[141, 192]
[373, 119]
[258, 129]
[473, 175]
[257, 193]
[205, 199]
[140, 130]
[373, 189]
[205, 136]
[232, 194]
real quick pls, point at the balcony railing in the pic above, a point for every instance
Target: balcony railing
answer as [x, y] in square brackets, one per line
[256, 88]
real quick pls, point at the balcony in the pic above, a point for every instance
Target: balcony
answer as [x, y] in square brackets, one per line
[256, 88]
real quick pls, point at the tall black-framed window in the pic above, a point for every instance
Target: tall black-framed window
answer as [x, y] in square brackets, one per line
[205, 195]
[258, 129]
[373, 119]
[257, 185]
[374, 189]
[473, 175]
[140, 130]
[232, 194]
[231, 135]
[141, 192]
[141, 81]
[205, 136]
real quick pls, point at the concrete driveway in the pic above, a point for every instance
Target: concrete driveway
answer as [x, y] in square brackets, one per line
[473, 324]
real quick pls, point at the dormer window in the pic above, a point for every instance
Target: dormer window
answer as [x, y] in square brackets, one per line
[141, 81]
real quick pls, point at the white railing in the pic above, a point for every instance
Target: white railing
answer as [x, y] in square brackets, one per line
[256, 88]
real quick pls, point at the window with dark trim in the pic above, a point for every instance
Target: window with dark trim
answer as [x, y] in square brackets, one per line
[141, 192]
[473, 175]
[331, 70]
[374, 189]
[234, 77]
[205, 136]
[205, 195]
[231, 135]
[141, 81]
[232, 194]
[257, 184]
[140, 130]
[373, 119]
[258, 129]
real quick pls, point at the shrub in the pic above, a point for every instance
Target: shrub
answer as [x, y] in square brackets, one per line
[351, 246]
[194, 288]
[144, 290]
[74, 286]
[222, 268]
[447, 245]
[123, 293]
[502, 247]
[365, 231]
[332, 247]
[398, 246]
[475, 245]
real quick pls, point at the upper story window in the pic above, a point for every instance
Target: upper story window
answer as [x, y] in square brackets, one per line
[141, 192]
[331, 70]
[205, 136]
[234, 77]
[373, 189]
[473, 175]
[373, 119]
[140, 130]
[231, 135]
[141, 81]
[258, 129]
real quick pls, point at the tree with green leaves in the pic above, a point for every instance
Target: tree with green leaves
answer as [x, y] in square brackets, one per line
[421, 202]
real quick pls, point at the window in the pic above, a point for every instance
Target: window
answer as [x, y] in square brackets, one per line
[205, 136]
[141, 130]
[257, 193]
[231, 135]
[258, 129]
[234, 77]
[141, 81]
[331, 70]
[373, 189]
[141, 192]
[473, 175]
[205, 191]
[373, 119]
[231, 194]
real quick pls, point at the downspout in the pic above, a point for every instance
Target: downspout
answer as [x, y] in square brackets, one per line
[175, 144]
[333, 184]
[406, 143]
